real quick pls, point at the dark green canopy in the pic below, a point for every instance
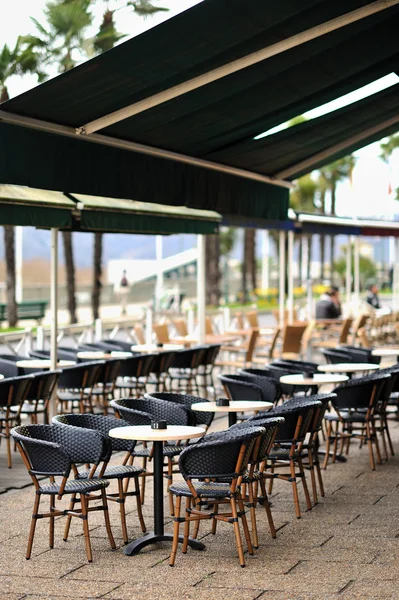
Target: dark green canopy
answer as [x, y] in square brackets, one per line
[21, 205]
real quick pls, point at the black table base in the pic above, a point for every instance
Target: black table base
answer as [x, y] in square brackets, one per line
[152, 538]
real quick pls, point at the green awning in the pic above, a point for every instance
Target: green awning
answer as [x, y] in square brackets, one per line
[34, 208]
[129, 216]
[45, 209]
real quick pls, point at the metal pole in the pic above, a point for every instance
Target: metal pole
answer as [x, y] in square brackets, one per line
[357, 272]
[281, 296]
[396, 276]
[348, 274]
[265, 260]
[54, 310]
[190, 322]
[148, 326]
[159, 283]
[290, 276]
[18, 263]
[201, 299]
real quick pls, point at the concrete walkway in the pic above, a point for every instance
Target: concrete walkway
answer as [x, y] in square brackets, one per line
[346, 548]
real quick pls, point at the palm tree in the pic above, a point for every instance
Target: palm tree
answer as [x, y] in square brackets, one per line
[333, 174]
[213, 275]
[106, 38]
[321, 203]
[248, 269]
[387, 147]
[15, 61]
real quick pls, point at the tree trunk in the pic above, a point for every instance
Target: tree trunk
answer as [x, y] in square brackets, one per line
[97, 273]
[300, 260]
[212, 253]
[9, 248]
[332, 238]
[251, 258]
[70, 273]
[322, 239]
[309, 266]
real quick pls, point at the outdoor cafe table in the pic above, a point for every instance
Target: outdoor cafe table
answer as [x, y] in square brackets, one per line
[348, 368]
[314, 382]
[103, 355]
[153, 348]
[145, 433]
[386, 351]
[233, 408]
[43, 364]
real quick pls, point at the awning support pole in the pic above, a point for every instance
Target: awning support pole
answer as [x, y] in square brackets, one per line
[290, 276]
[54, 312]
[396, 276]
[159, 282]
[148, 326]
[281, 295]
[201, 296]
[265, 260]
[19, 233]
[235, 65]
[357, 272]
[348, 275]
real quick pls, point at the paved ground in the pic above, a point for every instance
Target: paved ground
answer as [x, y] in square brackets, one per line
[345, 548]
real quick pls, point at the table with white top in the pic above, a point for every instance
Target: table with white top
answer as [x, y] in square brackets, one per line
[43, 363]
[386, 351]
[101, 355]
[314, 382]
[154, 348]
[145, 433]
[348, 368]
[233, 408]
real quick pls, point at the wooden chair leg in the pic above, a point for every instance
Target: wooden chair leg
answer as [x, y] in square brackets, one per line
[69, 518]
[328, 443]
[8, 443]
[51, 536]
[176, 528]
[83, 501]
[304, 484]
[370, 446]
[186, 526]
[313, 477]
[267, 509]
[121, 502]
[33, 526]
[245, 524]
[237, 532]
[214, 520]
[295, 490]
[320, 478]
[252, 512]
[138, 503]
[106, 519]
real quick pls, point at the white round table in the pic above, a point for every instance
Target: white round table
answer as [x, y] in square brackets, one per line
[348, 367]
[146, 434]
[233, 408]
[313, 382]
[43, 364]
[385, 351]
[156, 349]
[101, 355]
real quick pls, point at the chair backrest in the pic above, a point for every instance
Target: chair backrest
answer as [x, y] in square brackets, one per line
[361, 355]
[162, 333]
[253, 338]
[76, 377]
[188, 359]
[276, 315]
[14, 391]
[273, 342]
[252, 318]
[297, 365]
[345, 329]
[202, 418]
[320, 402]
[239, 388]
[211, 355]
[266, 441]
[110, 372]
[270, 388]
[209, 329]
[334, 356]
[8, 368]
[139, 334]
[226, 455]
[297, 422]
[363, 337]
[100, 423]
[180, 325]
[292, 338]
[42, 385]
[239, 320]
[359, 322]
[136, 366]
[161, 363]
[171, 412]
[359, 393]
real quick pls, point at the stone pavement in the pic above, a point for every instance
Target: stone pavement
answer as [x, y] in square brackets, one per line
[346, 548]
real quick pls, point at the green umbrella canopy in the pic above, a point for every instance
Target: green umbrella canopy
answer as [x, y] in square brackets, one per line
[20, 205]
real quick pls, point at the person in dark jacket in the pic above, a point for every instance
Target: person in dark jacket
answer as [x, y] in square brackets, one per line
[372, 297]
[329, 306]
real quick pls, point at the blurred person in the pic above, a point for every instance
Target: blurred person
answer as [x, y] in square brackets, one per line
[329, 305]
[124, 291]
[372, 296]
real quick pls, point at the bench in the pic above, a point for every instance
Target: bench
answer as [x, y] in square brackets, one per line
[30, 309]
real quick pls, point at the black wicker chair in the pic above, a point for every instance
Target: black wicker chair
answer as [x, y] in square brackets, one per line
[54, 452]
[134, 373]
[184, 370]
[254, 475]
[287, 452]
[237, 387]
[355, 405]
[119, 345]
[206, 368]
[276, 372]
[75, 387]
[270, 387]
[334, 356]
[361, 355]
[43, 384]
[298, 366]
[106, 382]
[388, 399]
[62, 354]
[8, 366]
[143, 412]
[204, 419]
[13, 393]
[123, 473]
[159, 371]
[212, 472]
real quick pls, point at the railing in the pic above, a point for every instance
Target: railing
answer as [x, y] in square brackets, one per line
[18, 342]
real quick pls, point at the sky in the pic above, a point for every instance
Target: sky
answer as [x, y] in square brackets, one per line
[366, 196]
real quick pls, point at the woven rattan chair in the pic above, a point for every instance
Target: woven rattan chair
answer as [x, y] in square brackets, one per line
[75, 387]
[382, 409]
[123, 473]
[206, 368]
[134, 373]
[287, 452]
[183, 372]
[334, 356]
[212, 472]
[244, 352]
[159, 371]
[54, 452]
[13, 393]
[40, 391]
[355, 405]
[161, 332]
[360, 355]
[202, 419]
[62, 354]
[238, 388]
[106, 382]
[270, 387]
[143, 412]
[255, 472]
